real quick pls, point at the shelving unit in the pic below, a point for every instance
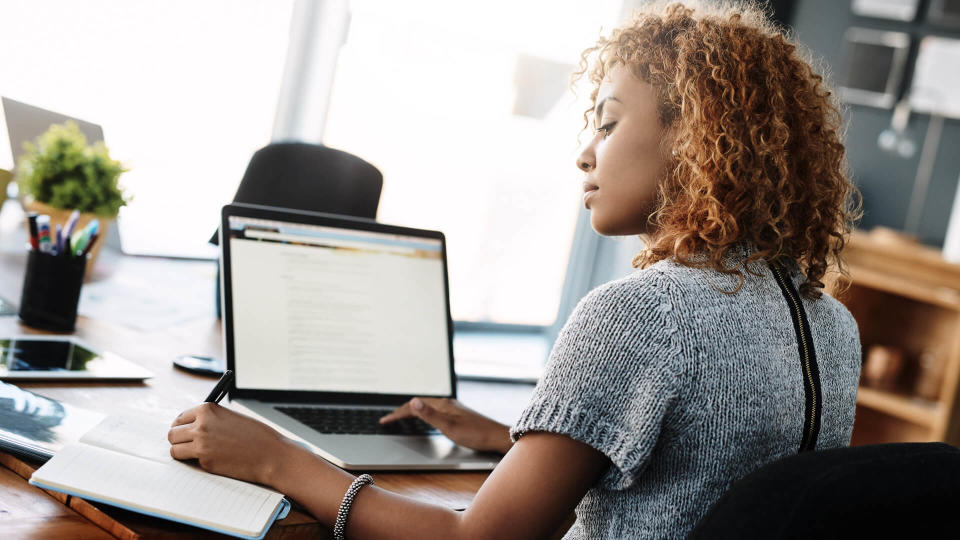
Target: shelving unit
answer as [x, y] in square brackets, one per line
[904, 295]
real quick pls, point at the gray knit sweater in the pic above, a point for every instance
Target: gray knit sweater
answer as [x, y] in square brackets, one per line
[687, 389]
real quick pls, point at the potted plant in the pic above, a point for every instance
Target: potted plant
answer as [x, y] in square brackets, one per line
[61, 173]
[5, 178]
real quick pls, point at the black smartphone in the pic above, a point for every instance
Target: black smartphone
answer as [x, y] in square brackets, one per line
[201, 365]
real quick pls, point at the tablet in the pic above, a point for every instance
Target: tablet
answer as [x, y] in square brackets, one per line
[54, 358]
[36, 427]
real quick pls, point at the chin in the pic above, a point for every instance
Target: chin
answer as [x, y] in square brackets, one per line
[613, 228]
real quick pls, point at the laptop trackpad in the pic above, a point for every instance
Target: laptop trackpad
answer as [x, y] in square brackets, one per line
[357, 451]
[435, 447]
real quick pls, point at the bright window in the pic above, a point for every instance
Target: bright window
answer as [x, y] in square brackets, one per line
[185, 91]
[465, 109]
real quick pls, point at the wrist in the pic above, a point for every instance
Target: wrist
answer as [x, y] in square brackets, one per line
[499, 439]
[277, 466]
[308, 479]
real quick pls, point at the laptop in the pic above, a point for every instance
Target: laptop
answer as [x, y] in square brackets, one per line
[26, 122]
[330, 322]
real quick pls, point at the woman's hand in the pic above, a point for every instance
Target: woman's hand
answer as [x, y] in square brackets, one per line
[461, 424]
[228, 443]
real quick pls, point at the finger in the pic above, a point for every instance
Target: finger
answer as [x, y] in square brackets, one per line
[424, 411]
[435, 403]
[186, 416]
[180, 434]
[402, 411]
[183, 451]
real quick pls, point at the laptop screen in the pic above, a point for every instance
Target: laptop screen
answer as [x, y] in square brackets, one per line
[331, 309]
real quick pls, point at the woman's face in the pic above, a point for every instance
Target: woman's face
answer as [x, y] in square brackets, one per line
[627, 157]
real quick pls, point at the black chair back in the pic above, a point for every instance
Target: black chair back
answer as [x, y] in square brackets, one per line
[903, 490]
[310, 177]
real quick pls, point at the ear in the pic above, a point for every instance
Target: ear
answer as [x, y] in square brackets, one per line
[668, 143]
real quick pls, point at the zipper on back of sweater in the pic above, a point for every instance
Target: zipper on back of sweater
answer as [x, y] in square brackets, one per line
[811, 378]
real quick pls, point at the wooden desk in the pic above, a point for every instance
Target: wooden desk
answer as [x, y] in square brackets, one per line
[28, 511]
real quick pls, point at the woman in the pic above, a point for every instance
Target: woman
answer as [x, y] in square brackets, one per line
[718, 141]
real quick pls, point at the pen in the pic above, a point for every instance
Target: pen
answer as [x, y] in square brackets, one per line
[71, 223]
[89, 246]
[220, 389]
[80, 239]
[94, 226]
[34, 232]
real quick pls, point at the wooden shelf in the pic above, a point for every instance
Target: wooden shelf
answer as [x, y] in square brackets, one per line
[905, 296]
[912, 409]
[939, 296]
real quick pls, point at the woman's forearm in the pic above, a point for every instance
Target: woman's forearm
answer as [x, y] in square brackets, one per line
[500, 439]
[375, 513]
[526, 496]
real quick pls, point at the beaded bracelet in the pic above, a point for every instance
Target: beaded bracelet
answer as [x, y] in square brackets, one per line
[340, 526]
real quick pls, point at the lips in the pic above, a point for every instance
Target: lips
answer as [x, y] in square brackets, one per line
[589, 190]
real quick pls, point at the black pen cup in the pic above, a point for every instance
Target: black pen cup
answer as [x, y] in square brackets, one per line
[51, 291]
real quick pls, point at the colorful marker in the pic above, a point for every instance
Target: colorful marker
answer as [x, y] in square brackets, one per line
[43, 231]
[34, 232]
[71, 223]
[82, 238]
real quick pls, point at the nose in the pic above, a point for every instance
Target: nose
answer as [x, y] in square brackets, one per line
[586, 161]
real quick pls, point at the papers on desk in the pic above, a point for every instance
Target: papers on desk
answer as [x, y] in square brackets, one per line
[125, 462]
[152, 294]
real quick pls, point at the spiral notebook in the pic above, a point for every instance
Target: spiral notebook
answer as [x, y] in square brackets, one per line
[126, 463]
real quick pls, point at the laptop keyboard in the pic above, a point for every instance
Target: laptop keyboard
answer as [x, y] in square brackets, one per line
[356, 421]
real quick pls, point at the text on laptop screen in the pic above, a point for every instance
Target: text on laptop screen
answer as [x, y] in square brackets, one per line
[338, 310]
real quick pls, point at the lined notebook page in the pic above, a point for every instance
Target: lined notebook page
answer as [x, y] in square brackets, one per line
[172, 489]
[135, 435]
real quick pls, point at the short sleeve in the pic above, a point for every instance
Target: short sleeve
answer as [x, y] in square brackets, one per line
[610, 379]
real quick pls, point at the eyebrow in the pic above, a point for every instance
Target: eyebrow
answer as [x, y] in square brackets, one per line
[598, 110]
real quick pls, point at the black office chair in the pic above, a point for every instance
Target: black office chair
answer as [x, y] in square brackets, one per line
[904, 490]
[309, 177]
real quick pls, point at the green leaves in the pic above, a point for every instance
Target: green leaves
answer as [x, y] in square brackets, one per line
[62, 170]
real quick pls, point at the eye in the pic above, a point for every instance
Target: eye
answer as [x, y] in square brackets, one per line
[606, 129]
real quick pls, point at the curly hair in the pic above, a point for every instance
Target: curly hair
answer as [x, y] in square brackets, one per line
[758, 156]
